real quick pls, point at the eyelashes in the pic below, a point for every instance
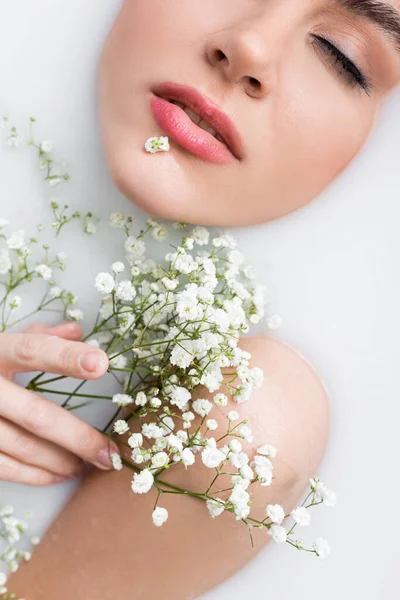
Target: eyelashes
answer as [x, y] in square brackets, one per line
[346, 69]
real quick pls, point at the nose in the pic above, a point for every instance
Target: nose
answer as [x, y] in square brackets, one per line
[241, 57]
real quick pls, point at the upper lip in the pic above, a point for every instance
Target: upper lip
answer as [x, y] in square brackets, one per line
[206, 109]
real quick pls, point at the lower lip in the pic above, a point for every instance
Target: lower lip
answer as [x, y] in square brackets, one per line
[179, 126]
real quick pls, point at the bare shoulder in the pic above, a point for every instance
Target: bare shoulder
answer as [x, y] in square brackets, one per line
[290, 411]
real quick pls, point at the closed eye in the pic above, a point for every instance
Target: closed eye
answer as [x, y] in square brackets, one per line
[345, 68]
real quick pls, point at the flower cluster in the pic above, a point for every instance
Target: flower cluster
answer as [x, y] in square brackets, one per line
[12, 530]
[23, 259]
[172, 332]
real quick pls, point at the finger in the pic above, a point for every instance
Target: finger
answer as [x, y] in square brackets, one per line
[12, 470]
[51, 422]
[67, 331]
[31, 450]
[24, 352]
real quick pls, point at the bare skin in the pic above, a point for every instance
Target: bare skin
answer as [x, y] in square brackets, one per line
[104, 536]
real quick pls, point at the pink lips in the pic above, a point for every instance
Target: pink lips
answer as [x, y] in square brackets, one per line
[179, 126]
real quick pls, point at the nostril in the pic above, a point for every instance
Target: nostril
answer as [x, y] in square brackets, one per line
[219, 55]
[254, 83]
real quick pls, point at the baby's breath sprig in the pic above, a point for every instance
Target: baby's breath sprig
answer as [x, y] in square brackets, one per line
[169, 327]
[54, 175]
[61, 215]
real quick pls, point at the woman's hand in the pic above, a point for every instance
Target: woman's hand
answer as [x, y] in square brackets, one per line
[40, 442]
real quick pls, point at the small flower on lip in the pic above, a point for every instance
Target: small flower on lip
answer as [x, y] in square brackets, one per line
[157, 144]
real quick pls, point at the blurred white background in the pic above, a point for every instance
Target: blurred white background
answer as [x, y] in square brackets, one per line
[332, 274]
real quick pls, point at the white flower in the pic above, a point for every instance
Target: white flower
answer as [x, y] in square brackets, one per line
[200, 235]
[44, 271]
[159, 233]
[35, 540]
[301, 515]
[202, 407]
[46, 146]
[159, 516]
[221, 399]
[134, 247]
[155, 403]
[122, 399]
[246, 472]
[3, 223]
[278, 533]
[211, 456]
[157, 144]
[137, 456]
[240, 500]
[167, 424]
[117, 220]
[107, 307]
[116, 461]
[276, 513]
[159, 460]
[121, 426]
[90, 228]
[151, 430]
[256, 377]
[117, 267]
[243, 392]
[169, 284]
[104, 283]
[212, 424]
[215, 507]
[323, 493]
[267, 450]
[175, 443]
[125, 291]
[263, 468]
[135, 440]
[75, 314]
[244, 431]
[187, 457]
[182, 354]
[235, 446]
[233, 415]
[5, 262]
[142, 482]
[321, 547]
[180, 396]
[141, 399]
[3, 578]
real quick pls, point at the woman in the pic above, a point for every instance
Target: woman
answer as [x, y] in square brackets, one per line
[285, 75]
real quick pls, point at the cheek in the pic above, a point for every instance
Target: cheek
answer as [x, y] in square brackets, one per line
[316, 132]
[323, 127]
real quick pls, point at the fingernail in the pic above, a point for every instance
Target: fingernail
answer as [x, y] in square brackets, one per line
[103, 458]
[92, 361]
[71, 326]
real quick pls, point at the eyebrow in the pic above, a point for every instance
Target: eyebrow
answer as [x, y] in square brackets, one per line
[382, 14]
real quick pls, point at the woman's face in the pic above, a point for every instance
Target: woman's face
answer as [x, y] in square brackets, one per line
[300, 81]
